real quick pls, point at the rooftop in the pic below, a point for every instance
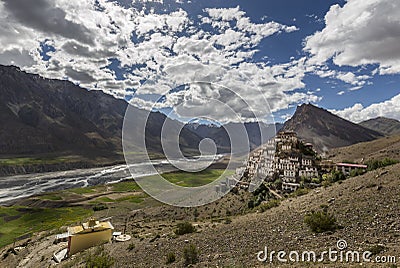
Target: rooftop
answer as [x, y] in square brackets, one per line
[351, 165]
[90, 226]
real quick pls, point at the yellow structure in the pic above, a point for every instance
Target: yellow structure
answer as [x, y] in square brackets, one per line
[89, 234]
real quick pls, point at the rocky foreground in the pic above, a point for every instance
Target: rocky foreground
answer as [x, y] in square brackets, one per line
[365, 207]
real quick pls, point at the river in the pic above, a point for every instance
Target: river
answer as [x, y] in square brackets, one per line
[20, 186]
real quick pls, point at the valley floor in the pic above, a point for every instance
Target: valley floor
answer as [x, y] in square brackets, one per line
[230, 235]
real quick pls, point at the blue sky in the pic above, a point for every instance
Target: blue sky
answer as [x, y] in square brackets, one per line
[259, 57]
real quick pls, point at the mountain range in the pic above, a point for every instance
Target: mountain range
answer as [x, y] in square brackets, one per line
[326, 130]
[386, 126]
[46, 118]
[258, 133]
[51, 118]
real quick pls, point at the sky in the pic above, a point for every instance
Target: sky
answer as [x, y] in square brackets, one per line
[228, 61]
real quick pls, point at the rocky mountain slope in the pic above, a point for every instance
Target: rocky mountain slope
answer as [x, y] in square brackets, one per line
[52, 117]
[229, 235]
[383, 125]
[45, 118]
[387, 147]
[326, 130]
[221, 137]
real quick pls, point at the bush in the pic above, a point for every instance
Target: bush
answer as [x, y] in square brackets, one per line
[375, 164]
[278, 184]
[99, 207]
[170, 258]
[131, 247]
[337, 175]
[184, 228]
[228, 221]
[99, 259]
[299, 192]
[376, 249]
[190, 255]
[356, 172]
[250, 204]
[320, 221]
[315, 180]
[268, 205]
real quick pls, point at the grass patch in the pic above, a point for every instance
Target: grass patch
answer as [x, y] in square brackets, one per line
[31, 220]
[132, 198]
[300, 192]
[85, 190]
[131, 247]
[54, 197]
[104, 199]
[125, 186]
[99, 207]
[268, 205]
[189, 179]
[19, 161]
[99, 259]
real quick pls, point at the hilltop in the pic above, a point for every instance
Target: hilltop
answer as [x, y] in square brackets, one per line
[388, 147]
[383, 125]
[56, 125]
[52, 118]
[326, 130]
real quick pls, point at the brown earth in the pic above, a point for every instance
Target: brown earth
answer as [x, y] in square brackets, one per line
[228, 234]
[365, 206]
[388, 147]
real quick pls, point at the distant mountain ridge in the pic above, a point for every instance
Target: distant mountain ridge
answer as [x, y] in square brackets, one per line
[386, 126]
[221, 137]
[326, 130]
[53, 118]
[47, 116]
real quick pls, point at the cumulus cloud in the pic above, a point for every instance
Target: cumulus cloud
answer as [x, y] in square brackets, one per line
[166, 50]
[44, 16]
[340, 93]
[352, 79]
[358, 113]
[226, 14]
[359, 33]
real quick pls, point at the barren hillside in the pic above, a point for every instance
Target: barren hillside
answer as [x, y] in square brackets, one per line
[366, 208]
[377, 149]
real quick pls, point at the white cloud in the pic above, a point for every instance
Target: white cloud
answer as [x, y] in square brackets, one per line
[358, 113]
[150, 1]
[167, 50]
[361, 32]
[352, 79]
[226, 14]
[340, 93]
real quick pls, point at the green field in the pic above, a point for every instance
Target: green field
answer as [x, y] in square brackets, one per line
[36, 161]
[86, 190]
[125, 186]
[53, 197]
[21, 222]
[189, 179]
